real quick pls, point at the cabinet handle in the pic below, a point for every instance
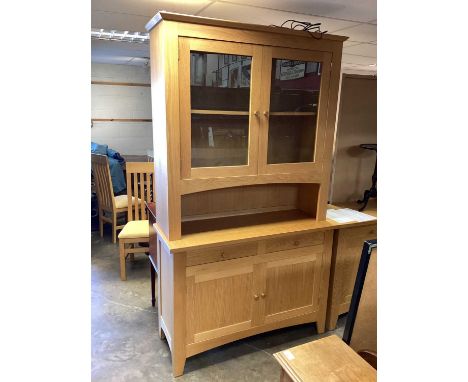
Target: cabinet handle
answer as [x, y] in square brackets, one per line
[263, 295]
[255, 296]
[265, 113]
[256, 113]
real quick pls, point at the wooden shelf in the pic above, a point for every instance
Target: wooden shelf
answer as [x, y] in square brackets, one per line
[219, 112]
[298, 113]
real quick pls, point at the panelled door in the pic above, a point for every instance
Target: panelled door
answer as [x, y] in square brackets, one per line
[219, 85]
[220, 299]
[293, 110]
[291, 283]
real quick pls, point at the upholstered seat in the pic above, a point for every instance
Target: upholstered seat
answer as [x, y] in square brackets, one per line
[135, 229]
[122, 200]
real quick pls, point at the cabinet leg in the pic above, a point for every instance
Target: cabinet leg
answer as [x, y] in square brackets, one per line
[161, 333]
[321, 326]
[178, 364]
[332, 319]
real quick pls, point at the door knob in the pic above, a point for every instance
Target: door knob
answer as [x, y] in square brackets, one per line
[265, 113]
[255, 296]
[256, 113]
[263, 295]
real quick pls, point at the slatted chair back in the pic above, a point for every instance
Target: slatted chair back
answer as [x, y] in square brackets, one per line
[102, 177]
[140, 185]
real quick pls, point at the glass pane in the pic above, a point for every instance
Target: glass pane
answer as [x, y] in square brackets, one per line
[219, 140]
[291, 138]
[295, 85]
[219, 81]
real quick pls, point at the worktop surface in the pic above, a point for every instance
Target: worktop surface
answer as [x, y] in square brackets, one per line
[212, 232]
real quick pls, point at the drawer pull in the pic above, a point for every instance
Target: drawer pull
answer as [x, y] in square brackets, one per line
[255, 296]
[263, 295]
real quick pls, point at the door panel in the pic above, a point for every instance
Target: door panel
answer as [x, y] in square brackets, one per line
[219, 299]
[292, 286]
[219, 84]
[293, 112]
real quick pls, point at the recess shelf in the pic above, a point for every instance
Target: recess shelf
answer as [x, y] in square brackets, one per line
[299, 113]
[219, 112]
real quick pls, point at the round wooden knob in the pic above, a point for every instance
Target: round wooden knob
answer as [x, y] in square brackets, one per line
[255, 296]
[263, 295]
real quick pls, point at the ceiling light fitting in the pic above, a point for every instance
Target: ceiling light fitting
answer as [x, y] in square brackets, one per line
[114, 35]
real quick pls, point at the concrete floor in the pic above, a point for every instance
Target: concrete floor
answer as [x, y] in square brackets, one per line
[126, 346]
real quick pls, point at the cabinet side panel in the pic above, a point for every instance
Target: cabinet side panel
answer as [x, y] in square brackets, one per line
[166, 276]
[330, 132]
[159, 126]
[166, 140]
[171, 57]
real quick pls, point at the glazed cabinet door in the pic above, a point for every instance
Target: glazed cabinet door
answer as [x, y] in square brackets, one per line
[293, 114]
[219, 299]
[292, 283]
[219, 107]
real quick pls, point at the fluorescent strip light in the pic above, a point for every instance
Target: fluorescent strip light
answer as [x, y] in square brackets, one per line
[114, 35]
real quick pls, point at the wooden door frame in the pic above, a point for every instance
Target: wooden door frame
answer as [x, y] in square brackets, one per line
[186, 45]
[316, 167]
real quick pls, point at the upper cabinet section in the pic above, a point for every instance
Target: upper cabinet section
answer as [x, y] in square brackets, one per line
[238, 105]
[249, 109]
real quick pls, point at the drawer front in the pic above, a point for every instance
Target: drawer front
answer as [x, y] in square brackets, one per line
[211, 255]
[356, 236]
[294, 241]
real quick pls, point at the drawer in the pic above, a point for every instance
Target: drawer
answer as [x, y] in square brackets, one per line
[367, 233]
[294, 241]
[359, 234]
[211, 255]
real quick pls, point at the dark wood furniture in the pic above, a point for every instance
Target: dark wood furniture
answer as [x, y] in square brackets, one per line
[361, 324]
[371, 192]
[151, 212]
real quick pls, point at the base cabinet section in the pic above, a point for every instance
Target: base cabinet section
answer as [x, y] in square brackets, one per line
[251, 292]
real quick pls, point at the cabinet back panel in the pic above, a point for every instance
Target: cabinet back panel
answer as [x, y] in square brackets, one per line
[243, 200]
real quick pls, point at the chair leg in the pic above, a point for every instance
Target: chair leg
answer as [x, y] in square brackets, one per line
[123, 272]
[114, 227]
[101, 225]
[153, 284]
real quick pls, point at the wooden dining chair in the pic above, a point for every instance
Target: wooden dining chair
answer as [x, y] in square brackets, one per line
[108, 203]
[134, 237]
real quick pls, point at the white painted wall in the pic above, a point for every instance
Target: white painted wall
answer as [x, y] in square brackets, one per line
[128, 138]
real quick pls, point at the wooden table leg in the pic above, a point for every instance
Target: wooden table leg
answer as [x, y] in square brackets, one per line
[153, 284]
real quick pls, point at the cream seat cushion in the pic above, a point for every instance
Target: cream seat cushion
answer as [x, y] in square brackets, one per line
[135, 229]
[121, 201]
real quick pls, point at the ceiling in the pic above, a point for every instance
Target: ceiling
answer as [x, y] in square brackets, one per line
[356, 19]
